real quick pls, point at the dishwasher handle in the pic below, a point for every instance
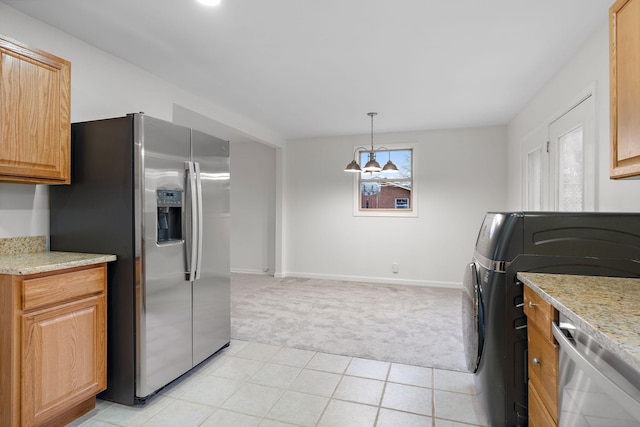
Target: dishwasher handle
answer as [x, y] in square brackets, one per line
[587, 365]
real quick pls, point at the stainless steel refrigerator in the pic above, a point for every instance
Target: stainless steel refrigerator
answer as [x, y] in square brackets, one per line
[156, 195]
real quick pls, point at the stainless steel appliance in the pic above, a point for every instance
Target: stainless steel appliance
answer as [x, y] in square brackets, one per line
[596, 387]
[494, 324]
[156, 195]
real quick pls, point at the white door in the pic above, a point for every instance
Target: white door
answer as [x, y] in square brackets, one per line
[558, 162]
[536, 170]
[571, 159]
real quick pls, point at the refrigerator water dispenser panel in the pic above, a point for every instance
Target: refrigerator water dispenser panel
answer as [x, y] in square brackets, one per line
[169, 216]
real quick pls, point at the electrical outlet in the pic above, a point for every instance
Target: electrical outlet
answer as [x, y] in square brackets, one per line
[395, 268]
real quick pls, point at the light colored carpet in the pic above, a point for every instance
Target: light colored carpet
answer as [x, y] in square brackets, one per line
[405, 324]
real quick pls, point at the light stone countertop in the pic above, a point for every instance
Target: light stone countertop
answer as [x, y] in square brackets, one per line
[29, 255]
[40, 262]
[607, 308]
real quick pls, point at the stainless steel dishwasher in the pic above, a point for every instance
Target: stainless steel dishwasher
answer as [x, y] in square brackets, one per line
[596, 387]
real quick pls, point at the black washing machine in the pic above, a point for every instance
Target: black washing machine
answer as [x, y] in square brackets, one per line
[494, 324]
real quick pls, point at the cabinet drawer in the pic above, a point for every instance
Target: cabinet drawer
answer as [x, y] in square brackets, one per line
[62, 286]
[543, 368]
[539, 312]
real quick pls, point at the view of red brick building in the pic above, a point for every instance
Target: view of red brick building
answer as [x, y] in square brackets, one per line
[390, 197]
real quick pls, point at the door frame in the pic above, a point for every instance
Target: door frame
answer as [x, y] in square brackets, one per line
[534, 139]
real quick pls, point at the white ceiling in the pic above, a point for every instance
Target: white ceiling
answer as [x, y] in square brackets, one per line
[307, 68]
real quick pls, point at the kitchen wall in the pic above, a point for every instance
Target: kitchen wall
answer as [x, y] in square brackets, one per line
[588, 68]
[24, 210]
[253, 205]
[104, 86]
[461, 175]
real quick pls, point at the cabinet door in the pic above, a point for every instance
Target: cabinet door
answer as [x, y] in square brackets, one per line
[538, 414]
[624, 27]
[63, 351]
[34, 115]
[543, 368]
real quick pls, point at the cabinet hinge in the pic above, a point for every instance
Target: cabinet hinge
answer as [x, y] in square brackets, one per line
[547, 146]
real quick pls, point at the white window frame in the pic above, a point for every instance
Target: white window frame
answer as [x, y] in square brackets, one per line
[412, 212]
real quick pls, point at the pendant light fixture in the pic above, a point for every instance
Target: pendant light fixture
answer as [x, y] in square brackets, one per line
[372, 165]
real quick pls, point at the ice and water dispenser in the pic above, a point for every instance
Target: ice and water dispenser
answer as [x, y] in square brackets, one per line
[169, 215]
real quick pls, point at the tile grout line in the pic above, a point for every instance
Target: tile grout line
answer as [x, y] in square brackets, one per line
[324, 410]
[433, 397]
[384, 389]
[264, 417]
[243, 382]
[305, 367]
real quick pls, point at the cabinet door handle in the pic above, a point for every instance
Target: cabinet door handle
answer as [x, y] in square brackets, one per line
[536, 362]
[532, 305]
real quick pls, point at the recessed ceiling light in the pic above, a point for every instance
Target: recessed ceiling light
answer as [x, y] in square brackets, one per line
[210, 2]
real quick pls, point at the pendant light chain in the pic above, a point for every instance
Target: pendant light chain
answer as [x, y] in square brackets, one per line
[372, 115]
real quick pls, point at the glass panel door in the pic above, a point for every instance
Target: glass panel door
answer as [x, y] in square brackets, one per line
[535, 170]
[571, 152]
[571, 171]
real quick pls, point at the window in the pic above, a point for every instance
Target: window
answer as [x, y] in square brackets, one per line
[387, 193]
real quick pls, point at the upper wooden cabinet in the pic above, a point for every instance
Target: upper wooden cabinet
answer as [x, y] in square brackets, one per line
[624, 37]
[35, 102]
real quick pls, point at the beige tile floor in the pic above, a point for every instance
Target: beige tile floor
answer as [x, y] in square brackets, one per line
[251, 384]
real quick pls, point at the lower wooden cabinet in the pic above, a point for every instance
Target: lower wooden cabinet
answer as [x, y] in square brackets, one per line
[538, 414]
[543, 361]
[53, 357]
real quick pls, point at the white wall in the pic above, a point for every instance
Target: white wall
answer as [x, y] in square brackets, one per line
[24, 210]
[461, 176]
[589, 67]
[253, 210]
[104, 86]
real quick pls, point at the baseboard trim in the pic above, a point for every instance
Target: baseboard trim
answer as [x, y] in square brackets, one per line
[250, 271]
[379, 280]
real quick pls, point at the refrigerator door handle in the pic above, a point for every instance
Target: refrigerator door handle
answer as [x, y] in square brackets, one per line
[200, 213]
[193, 240]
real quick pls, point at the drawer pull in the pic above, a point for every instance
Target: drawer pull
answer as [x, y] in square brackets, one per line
[532, 305]
[536, 362]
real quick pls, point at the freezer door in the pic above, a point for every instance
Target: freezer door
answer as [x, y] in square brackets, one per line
[211, 300]
[164, 293]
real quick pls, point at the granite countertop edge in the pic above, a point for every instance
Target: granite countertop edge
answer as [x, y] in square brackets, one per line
[45, 261]
[614, 340]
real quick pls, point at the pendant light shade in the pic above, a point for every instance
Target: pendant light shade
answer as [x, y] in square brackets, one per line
[353, 167]
[372, 165]
[389, 166]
